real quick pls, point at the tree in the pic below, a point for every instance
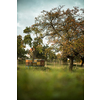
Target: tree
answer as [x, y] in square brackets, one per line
[65, 29]
[49, 54]
[36, 43]
[20, 47]
[59, 57]
[28, 40]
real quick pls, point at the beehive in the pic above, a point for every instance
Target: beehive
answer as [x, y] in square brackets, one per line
[29, 62]
[42, 62]
[35, 60]
[34, 63]
[39, 62]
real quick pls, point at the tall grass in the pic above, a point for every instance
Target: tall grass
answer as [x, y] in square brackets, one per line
[50, 83]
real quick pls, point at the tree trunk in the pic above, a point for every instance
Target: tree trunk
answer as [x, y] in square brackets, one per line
[71, 63]
[34, 55]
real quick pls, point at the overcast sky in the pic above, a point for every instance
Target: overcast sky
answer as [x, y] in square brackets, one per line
[27, 10]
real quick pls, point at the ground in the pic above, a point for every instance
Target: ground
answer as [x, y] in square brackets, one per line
[54, 82]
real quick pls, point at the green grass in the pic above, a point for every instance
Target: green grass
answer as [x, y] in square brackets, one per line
[50, 83]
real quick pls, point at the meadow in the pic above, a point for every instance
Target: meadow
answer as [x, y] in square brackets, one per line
[53, 82]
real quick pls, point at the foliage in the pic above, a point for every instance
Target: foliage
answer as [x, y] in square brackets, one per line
[27, 30]
[28, 40]
[65, 29]
[49, 54]
[41, 51]
[20, 47]
[36, 43]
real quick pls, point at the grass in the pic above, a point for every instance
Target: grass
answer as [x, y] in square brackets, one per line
[50, 83]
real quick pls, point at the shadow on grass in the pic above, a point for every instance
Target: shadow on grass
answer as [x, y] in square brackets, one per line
[37, 68]
[49, 64]
[75, 69]
[42, 68]
[77, 65]
[73, 65]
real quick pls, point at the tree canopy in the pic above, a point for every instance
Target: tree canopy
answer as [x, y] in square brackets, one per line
[64, 29]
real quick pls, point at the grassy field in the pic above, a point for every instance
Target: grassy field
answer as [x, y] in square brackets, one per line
[54, 82]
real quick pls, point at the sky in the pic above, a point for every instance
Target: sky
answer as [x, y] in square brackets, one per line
[27, 10]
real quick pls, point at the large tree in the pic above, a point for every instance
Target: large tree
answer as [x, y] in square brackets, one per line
[65, 29]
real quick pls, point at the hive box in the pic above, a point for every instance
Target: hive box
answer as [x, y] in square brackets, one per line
[39, 62]
[29, 62]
